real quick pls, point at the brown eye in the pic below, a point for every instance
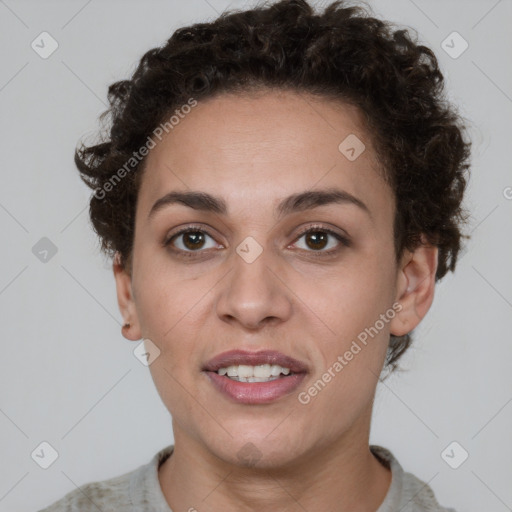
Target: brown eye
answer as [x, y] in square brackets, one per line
[318, 238]
[190, 240]
[193, 239]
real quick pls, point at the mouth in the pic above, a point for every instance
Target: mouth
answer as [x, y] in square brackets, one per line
[255, 377]
[258, 373]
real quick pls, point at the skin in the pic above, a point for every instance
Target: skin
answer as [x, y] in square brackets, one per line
[254, 151]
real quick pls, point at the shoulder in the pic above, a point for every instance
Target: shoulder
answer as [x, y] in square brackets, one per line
[419, 495]
[138, 490]
[407, 492]
[106, 495]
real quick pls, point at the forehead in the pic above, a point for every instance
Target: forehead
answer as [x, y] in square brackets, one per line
[258, 148]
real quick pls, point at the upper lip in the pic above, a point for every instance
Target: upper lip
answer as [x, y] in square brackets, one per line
[238, 357]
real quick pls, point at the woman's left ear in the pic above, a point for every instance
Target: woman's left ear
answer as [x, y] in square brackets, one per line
[131, 328]
[415, 287]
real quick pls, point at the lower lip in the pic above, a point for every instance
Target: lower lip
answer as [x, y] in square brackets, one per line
[256, 392]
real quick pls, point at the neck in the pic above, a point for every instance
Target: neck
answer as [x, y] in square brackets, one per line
[343, 475]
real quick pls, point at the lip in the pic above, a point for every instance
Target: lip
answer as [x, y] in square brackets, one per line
[252, 393]
[237, 357]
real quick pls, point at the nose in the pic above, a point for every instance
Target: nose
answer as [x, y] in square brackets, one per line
[254, 294]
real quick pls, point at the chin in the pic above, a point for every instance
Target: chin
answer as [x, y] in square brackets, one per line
[257, 449]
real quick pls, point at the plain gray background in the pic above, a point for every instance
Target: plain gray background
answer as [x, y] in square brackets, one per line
[67, 375]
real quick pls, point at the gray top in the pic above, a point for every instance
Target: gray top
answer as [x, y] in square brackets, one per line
[139, 490]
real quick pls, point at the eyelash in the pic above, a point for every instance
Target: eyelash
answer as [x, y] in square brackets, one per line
[311, 229]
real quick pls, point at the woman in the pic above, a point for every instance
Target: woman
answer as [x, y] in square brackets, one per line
[280, 191]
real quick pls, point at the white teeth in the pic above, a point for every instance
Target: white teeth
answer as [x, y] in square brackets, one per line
[253, 379]
[275, 370]
[232, 371]
[259, 373]
[262, 371]
[245, 371]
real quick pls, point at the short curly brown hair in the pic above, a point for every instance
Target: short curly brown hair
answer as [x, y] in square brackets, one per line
[342, 53]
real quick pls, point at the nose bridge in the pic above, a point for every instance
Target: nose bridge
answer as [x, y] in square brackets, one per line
[252, 291]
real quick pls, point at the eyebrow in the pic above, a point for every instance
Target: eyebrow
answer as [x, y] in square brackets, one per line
[299, 202]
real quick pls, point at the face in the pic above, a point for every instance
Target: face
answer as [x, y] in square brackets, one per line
[247, 278]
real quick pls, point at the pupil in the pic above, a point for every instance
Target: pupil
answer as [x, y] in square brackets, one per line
[198, 238]
[318, 237]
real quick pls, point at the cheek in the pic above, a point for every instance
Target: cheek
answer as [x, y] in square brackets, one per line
[164, 299]
[172, 312]
[352, 359]
[348, 306]
[345, 301]
[169, 311]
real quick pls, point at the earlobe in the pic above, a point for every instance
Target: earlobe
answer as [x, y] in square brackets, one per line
[125, 300]
[415, 288]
